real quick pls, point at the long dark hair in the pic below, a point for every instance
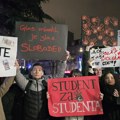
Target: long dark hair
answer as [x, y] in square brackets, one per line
[106, 87]
[103, 84]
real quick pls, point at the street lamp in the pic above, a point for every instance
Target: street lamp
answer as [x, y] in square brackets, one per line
[80, 50]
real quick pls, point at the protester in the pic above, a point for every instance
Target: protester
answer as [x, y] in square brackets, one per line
[110, 87]
[35, 103]
[4, 87]
[14, 98]
[94, 71]
[75, 73]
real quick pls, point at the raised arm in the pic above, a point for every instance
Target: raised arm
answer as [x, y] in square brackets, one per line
[61, 66]
[20, 78]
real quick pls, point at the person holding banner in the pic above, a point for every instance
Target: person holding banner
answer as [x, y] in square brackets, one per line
[94, 71]
[67, 96]
[75, 73]
[110, 87]
[4, 87]
[35, 87]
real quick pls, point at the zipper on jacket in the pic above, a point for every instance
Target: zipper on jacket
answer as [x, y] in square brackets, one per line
[38, 97]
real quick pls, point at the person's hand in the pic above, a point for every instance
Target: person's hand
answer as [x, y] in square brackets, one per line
[116, 93]
[90, 62]
[17, 65]
[89, 47]
[67, 55]
[48, 95]
[101, 95]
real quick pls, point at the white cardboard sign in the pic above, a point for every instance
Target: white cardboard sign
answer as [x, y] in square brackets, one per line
[105, 57]
[8, 52]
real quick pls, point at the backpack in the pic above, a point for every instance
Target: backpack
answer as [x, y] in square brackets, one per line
[18, 105]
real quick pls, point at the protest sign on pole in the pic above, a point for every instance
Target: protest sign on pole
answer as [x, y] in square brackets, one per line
[8, 52]
[75, 96]
[105, 57]
[41, 40]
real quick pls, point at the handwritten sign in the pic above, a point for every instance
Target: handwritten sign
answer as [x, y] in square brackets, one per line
[105, 57]
[8, 52]
[75, 96]
[41, 41]
[118, 37]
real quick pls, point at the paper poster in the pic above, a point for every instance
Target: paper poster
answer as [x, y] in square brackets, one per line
[105, 57]
[8, 52]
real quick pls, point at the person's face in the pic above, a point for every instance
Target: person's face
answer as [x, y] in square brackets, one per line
[98, 71]
[76, 75]
[109, 79]
[37, 72]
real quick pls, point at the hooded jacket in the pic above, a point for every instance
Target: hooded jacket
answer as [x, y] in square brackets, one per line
[35, 104]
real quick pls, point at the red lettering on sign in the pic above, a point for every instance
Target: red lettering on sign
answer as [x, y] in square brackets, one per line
[113, 51]
[45, 29]
[47, 38]
[27, 28]
[26, 47]
[110, 58]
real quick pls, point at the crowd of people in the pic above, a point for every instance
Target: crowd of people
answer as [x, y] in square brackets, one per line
[29, 93]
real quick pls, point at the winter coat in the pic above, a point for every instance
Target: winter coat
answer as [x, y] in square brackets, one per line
[37, 89]
[4, 87]
[111, 104]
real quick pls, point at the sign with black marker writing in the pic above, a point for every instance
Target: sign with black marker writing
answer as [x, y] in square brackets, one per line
[8, 52]
[74, 96]
[41, 41]
[105, 57]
